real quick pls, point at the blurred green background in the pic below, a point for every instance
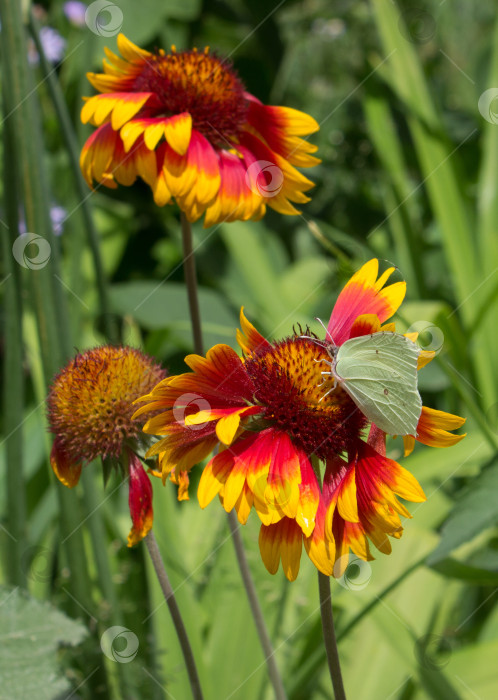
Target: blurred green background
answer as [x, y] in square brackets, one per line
[409, 149]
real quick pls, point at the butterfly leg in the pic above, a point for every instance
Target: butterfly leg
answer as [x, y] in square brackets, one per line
[325, 376]
[330, 390]
[323, 373]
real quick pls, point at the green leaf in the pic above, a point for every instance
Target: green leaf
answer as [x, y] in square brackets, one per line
[31, 633]
[156, 306]
[438, 164]
[303, 283]
[248, 245]
[487, 215]
[473, 513]
[140, 21]
[484, 575]
[474, 669]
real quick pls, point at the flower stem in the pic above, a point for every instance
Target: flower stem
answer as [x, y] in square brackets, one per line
[257, 613]
[55, 90]
[21, 110]
[195, 317]
[329, 636]
[13, 394]
[191, 282]
[169, 597]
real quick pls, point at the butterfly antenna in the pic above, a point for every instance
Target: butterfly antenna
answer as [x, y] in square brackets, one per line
[325, 329]
[317, 341]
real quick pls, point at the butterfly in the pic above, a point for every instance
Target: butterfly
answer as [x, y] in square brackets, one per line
[379, 372]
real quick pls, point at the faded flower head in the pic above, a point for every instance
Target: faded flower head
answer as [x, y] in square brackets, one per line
[90, 415]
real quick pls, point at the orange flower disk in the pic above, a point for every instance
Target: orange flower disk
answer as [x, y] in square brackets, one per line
[90, 415]
[184, 123]
[273, 422]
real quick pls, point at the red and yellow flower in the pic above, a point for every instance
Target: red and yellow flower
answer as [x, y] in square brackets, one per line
[90, 415]
[185, 124]
[272, 424]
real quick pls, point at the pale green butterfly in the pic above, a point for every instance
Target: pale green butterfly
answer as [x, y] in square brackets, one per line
[379, 372]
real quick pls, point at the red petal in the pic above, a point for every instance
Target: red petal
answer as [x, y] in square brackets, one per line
[140, 502]
[364, 294]
[67, 471]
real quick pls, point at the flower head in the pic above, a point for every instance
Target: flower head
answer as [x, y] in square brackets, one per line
[185, 124]
[90, 415]
[274, 422]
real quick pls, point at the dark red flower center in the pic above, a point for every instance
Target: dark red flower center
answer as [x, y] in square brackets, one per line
[289, 384]
[202, 85]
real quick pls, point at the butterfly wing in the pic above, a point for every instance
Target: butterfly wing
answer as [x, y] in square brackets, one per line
[379, 372]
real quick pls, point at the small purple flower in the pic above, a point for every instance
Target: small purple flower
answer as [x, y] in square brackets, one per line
[75, 12]
[58, 216]
[54, 46]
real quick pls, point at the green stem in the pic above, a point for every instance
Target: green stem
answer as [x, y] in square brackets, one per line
[257, 613]
[460, 385]
[283, 597]
[329, 636]
[13, 375]
[191, 282]
[378, 599]
[195, 317]
[20, 112]
[81, 188]
[315, 660]
[23, 118]
[119, 674]
[174, 610]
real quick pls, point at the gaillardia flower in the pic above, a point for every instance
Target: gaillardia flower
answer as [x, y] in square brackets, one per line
[185, 124]
[272, 422]
[90, 415]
